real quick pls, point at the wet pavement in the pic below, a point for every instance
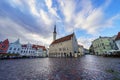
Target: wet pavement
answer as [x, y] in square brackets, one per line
[88, 67]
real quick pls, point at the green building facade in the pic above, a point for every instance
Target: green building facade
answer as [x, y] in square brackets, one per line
[102, 45]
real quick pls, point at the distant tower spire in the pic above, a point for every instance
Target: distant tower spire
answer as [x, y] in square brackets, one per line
[54, 33]
[55, 29]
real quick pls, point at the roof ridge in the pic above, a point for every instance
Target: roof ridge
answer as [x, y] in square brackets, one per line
[62, 39]
[118, 36]
[65, 36]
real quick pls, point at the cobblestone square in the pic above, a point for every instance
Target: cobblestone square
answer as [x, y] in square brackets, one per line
[88, 67]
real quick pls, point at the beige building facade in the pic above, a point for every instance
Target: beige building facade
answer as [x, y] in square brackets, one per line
[63, 47]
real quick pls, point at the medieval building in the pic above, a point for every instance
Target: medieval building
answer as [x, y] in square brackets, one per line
[63, 47]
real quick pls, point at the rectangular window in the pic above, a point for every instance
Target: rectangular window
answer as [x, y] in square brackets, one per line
[103, 47]
[3, 46]
[64, 49]
[102, 44]
[59, 49]
[110, 43]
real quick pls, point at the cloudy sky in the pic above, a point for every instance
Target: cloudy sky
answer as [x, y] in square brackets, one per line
[33, 20]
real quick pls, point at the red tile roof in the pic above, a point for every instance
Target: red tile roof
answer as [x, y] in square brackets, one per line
[66, 38]
[38, 46]
[118, 36]
[6, 41]
[35, 46]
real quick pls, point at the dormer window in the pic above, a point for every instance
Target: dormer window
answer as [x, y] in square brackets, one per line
[10, 48]
[14, 48]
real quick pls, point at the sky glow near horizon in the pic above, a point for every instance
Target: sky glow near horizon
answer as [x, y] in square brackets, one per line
[33, 20]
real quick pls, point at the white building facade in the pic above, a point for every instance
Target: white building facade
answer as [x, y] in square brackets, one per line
[81, 50]
[40, 50]
[33, 50]
[14, 48]
[26, 49]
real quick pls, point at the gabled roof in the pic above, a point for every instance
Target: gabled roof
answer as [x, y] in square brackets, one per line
[38, 46]
[35, 46]
[16, 42]
[118, 36]
[6, 41]
[66, 38]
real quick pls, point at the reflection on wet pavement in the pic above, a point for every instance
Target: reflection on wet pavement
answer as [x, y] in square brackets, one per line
[88, 67]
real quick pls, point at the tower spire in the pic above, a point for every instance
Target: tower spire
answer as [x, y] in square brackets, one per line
[54, 33]
[55, 29]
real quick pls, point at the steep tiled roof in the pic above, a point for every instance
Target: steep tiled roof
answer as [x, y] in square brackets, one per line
[35, 46]
[118, 36]
[38, 46]
[66, 38]
[5, 41]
